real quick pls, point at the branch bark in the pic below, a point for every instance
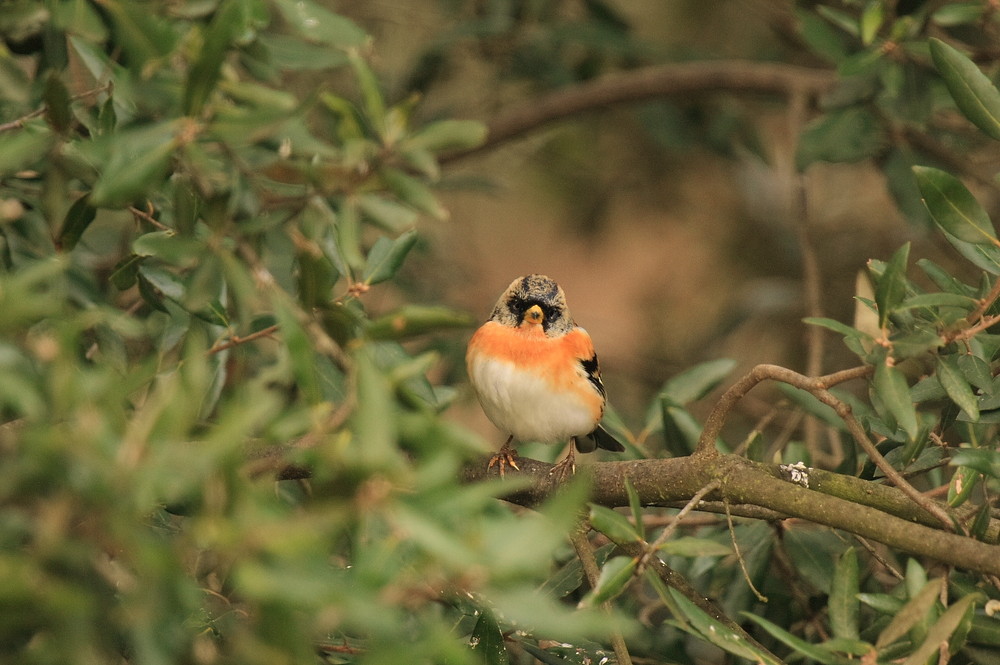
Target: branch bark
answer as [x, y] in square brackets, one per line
[664, 482]
[650, 83]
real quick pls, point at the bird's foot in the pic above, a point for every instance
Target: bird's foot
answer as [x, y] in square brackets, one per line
[505, 457]
[565, 468]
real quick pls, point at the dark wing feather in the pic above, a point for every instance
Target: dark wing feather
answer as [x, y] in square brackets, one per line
[599, 438]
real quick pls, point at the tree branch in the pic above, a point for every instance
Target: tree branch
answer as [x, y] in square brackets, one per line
[650, 83]
[660, 482]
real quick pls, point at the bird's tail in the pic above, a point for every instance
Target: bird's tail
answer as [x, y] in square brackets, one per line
[599, 438]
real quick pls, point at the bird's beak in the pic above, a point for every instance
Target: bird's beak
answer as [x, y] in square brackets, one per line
[534, 315]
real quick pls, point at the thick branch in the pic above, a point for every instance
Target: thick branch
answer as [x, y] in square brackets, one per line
[651, 83]
[666, 481]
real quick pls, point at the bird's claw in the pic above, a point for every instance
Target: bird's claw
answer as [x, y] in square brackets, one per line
[504, 458]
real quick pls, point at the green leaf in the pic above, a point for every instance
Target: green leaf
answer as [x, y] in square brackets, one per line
[300, 351]
[844, 604]
[139, 161]
[487, 640]
[78, 218]
[447, 135]
[872, 18]
[386, 256]
[411, 320]
[953, 207]
[689, 546]
[616, 574]
[613, 525]
[911, 614]
[811, 651]
[414, 193]
[974, 94]
[57, 101]
[371, 93]
[983, 460]
[836, 326]
[890, 288]
[932, 300]
[233, 20]
[943, 630]
[890, 384]
[391, 216]
[635, 505]
[24, 147]
[955, 384]
[321, 26]
[142, 34]
[962, 483]
[694, 383]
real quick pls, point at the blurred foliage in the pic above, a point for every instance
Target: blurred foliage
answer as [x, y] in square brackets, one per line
[186, 244]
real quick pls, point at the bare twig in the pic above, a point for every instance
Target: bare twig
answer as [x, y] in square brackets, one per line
[739, 556]
[236, 340]
[19, 123]
[817, 386]
[586, 554]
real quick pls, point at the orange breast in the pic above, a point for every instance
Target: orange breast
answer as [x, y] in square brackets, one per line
[556, 358]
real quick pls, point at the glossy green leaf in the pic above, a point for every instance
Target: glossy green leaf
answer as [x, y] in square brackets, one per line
[680, 429]
[487, 640]
[974, 94]
[890, 384]
[386, 256]
[844, 604]
[78, 218]
[616, 574]
[953, 207]
[614, 525]
[890, 288]
[300, 351]
[913, 612]
[983, 460]
[955, 384]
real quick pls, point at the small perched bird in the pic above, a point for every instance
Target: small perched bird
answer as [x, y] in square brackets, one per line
[536, 374]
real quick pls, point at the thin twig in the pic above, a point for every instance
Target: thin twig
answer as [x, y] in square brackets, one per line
[739, 557]
[817, 386]
[235, 340]
[586, 554]
[19, 123]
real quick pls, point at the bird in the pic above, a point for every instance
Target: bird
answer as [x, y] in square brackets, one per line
[536, 374]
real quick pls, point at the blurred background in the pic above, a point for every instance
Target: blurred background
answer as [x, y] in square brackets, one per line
[675, 225]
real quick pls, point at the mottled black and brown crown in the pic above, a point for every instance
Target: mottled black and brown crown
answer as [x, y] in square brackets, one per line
[528, 291]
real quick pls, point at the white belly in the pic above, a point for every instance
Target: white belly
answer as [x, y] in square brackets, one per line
[524, 405]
